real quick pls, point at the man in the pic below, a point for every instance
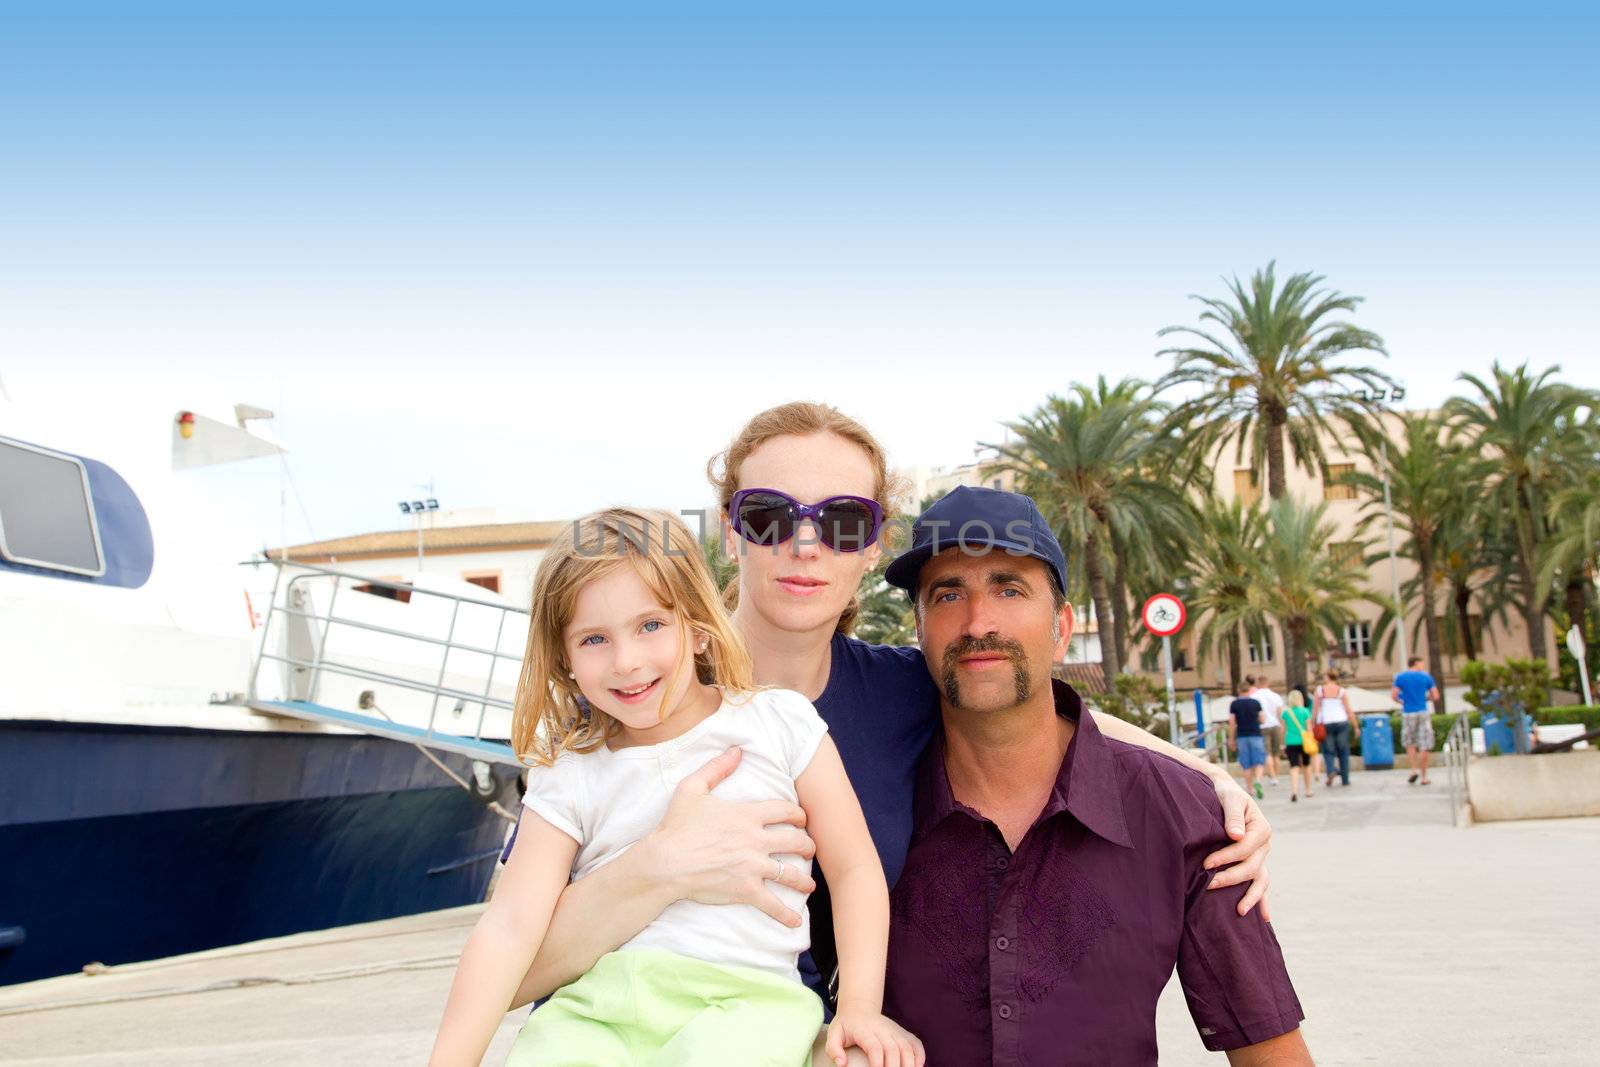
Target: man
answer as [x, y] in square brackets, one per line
[1055, 876]
[1271, 722]
[1244, 732]
[1414, 688]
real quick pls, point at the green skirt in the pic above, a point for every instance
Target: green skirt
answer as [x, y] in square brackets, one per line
[645, 1007]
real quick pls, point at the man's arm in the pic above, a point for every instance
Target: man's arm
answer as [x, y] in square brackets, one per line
[1230, 966]
[1285, 1050]
[705, 849]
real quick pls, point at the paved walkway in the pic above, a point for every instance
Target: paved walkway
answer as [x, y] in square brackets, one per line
[1409, 942]
[1412, 942]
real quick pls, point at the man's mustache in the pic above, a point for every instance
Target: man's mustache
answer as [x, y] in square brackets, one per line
[969, 646]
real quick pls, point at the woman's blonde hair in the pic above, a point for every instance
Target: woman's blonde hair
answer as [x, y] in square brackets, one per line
[550, 715]
[801, 418]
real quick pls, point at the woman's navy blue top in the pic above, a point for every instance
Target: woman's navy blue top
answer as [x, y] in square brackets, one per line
[880, 705]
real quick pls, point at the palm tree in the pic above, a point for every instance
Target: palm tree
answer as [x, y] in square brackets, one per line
[1571, 556]
[724, 570]
[1516, 420]
[1147, 544]
[1082, 459]
[1308, 589]
[1268, 365]
[1472, 564]
[1427, 476]
[1225, 583]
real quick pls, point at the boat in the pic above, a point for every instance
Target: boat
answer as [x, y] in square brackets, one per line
[198, 752]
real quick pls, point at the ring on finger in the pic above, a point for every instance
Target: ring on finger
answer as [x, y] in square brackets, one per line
[778, 877]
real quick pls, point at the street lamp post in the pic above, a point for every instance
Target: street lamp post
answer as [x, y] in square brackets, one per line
[1378, 397]
[416, 508]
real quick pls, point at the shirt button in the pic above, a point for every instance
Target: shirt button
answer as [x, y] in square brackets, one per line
[1002, 863]
[1002, 943]
[1004, 1011]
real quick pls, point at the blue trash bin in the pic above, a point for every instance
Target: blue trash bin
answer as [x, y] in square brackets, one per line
[1377, 743]
[1500, 732]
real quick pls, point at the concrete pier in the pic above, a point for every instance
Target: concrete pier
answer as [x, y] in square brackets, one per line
[1409, 941]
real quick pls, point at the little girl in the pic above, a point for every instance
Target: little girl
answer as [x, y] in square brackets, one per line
[633, 678]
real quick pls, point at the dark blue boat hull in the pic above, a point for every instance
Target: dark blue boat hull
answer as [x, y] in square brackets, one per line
[122, 843]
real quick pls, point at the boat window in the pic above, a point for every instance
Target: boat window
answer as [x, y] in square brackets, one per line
[46, 511]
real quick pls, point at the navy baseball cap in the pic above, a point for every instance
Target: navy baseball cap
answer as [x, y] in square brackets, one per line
[979, 520]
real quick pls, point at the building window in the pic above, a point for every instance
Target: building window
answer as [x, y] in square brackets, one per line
[1453, 645]
[1150, 658]
[1246, 486]
[1260, 649]
[489, 580]
[1346, 555]
[1331, 487]
[399, 591]
[1357, 639]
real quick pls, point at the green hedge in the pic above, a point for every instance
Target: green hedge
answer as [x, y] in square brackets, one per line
[1588, 715]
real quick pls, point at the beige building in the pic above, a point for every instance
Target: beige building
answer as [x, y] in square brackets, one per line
[1357, 651]
[498, 556]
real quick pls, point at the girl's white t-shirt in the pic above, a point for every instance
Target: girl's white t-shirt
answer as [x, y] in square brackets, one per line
[606, 800]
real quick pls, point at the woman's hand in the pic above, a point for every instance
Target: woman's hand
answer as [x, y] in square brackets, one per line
[720, 852]
[1252, 837]
[886, 1042]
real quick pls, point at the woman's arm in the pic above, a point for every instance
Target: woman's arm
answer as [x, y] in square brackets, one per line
[706, 849]
[860, 898]
[1251, 833]
[506, 936]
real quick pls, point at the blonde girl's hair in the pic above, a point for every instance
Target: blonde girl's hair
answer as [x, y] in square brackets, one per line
[1295, 699]
[802, 419]
[550, 716]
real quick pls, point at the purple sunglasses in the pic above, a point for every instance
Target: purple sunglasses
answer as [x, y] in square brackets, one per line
[768, 517]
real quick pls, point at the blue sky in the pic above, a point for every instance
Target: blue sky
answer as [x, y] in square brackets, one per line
[550, 256]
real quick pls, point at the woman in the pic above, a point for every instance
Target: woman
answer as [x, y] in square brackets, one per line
[794, 600]
[1299, 744]
[1334, 714]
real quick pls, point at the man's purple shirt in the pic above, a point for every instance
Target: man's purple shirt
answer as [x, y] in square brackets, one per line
[1057, 953]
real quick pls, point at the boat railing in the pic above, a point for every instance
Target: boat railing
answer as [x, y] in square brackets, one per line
[308, 665]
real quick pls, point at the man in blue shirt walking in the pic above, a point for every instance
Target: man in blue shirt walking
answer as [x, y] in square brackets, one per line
[1414, 688]
[1244, 730]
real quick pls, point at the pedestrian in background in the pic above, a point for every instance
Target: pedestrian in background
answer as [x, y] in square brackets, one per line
[1244, 730]
[1415, 689]
[1300, 745]
[1271, 723]
[1333, 713]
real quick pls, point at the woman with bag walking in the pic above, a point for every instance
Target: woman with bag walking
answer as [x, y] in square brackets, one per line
[1334, 719]
[1299, 744]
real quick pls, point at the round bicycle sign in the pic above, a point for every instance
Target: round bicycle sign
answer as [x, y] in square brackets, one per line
[1163, 615]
